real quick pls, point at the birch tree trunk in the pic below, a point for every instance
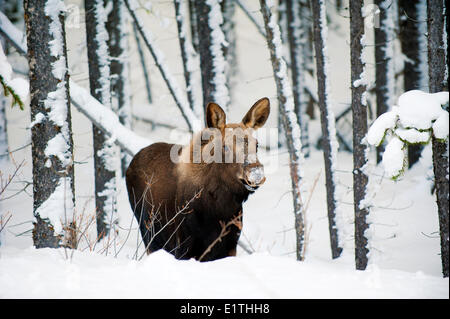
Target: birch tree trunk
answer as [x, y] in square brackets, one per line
[212, 62]
[105, 156]
[438, 78]
[119, 67]
[51, 134]
[289, 120]
[327, 120]
[413, 43]
[359, 111]
[385, 35]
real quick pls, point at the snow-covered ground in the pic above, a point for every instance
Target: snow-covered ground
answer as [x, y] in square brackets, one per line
[404, 242]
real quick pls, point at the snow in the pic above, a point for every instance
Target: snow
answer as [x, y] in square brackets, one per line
[17, 37]
[417, 116]
[440, 126]
[107, 119]
[18, 85]
[418, 109]
[377, 130]
[160, 275]
[58, 208]
[394, 157]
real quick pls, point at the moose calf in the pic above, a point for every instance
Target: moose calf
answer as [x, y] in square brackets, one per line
[188, 199]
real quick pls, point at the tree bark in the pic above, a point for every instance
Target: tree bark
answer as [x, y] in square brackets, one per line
[297, 32]
[104, 152]
[359, 111]
[187, 55]
[384, 60]
[143, 64]
[51, 135]
[290, 124]
[439, 82]
[411, 37]
[327, 120]
[119, 68]
[212, 63]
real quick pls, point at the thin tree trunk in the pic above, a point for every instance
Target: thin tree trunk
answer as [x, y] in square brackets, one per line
[143, 64]
[251, 16]
[290, 124]
[193, 21]
[329, 142]
[297, 36]
[105, 156]
[51, 133]
[385, 35]
[119, 68]
[415, 72]
[228, 8]
[439, 82]
[187, 55]
[359, 111]
[212, 62]
[191, 119]
[3, 131]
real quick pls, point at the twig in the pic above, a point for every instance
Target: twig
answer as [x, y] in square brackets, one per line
[223, 232]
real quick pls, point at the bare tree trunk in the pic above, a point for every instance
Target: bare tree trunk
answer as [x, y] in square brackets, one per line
[191, 119]
[289, 120]
[385, 35]
[51, 134]
[3, 131]
[437, 67]
[187, 55]
[193, 22]
[143, 64]
[105, 156]
[298, 37]
[414, 71]
[229, 49]
[212, 63]
[359, 111]
[119, 67]
[329, 142]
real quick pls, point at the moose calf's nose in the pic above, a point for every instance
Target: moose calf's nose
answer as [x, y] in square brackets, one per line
[255, 175]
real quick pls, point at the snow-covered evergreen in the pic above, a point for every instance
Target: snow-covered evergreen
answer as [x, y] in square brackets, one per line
[416, 117]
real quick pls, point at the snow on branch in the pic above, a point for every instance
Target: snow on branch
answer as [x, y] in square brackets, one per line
[106, 120]
[418, 116]
[191, 119]
[102, 117]
[17, 87]
[14, 35]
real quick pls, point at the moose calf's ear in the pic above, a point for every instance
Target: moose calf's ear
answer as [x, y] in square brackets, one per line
[215, 116]
[258, 114]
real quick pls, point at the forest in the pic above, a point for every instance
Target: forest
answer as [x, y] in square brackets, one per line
[347, 178]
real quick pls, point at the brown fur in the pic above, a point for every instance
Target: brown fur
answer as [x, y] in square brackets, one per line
[180, 206]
